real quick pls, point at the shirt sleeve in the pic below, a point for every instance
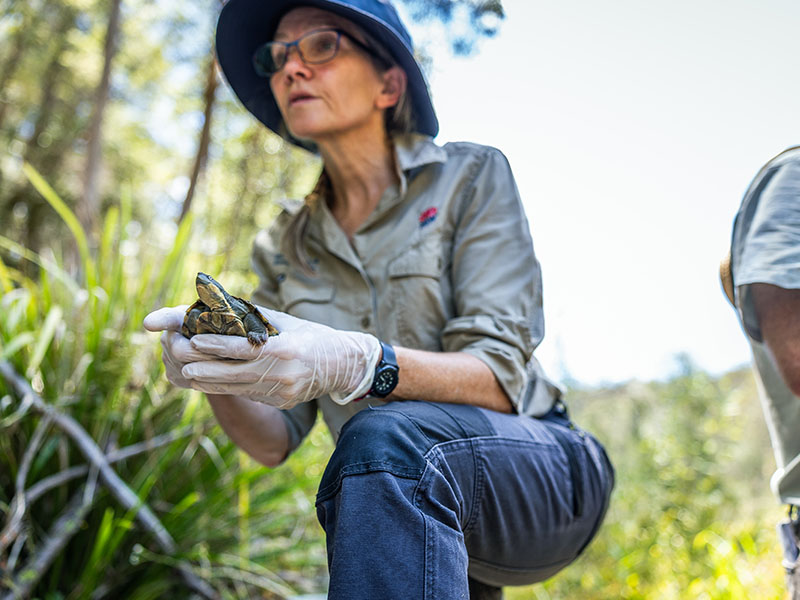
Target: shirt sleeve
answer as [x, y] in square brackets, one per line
[766, 243]
[262, 261]
[496, 277]
[267, 264]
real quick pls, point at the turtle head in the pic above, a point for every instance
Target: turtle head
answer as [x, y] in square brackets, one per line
[210, 291]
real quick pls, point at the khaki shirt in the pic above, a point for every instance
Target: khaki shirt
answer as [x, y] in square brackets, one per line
[444, 263]
[765, 248]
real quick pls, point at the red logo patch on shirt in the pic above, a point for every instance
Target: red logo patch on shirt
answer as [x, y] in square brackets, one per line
[427, 216]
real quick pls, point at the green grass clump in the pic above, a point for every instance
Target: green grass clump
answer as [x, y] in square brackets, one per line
[75, 335]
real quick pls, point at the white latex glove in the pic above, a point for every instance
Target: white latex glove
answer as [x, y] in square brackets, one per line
[176, 349]
[305, 361]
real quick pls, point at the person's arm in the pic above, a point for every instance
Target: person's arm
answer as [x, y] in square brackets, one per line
[455, 377]
[778, 312]
[258, 429]
[496, 283]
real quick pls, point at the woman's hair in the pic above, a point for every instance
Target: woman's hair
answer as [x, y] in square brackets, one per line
[398, 120]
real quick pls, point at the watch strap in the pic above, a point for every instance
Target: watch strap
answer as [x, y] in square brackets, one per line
[387, 367]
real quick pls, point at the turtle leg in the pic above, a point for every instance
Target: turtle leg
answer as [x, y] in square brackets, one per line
[189, 327]
[256, 330]
[257, 338]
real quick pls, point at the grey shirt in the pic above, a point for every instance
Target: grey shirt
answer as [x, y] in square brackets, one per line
[444, 263]
[766, 249]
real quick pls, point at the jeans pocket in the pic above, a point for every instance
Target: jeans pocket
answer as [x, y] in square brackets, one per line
[563, 439]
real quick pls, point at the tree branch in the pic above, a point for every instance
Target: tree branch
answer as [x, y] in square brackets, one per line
[19, 504]
[60, 533]
[40, 487]
[118, 488]
[209, 97]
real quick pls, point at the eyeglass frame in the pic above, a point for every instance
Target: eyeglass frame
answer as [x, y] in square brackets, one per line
[261, 72]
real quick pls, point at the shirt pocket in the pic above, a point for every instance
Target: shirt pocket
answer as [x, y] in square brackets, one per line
[307, 298]
[419, 293]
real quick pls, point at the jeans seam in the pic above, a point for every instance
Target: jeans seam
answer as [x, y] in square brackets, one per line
[409, 419]
[427, 580]
[403, 471]
[477, 492]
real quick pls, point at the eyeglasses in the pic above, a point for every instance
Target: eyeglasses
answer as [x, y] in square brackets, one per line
[314, 48]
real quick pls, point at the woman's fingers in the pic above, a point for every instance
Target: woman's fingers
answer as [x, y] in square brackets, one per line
[181, 350]
[269, 371]
[169, 318]
[227, 346]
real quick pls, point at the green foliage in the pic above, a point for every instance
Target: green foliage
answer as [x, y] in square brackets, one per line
[691, 515]
[240, 525]
[464, 21]
[49, 71]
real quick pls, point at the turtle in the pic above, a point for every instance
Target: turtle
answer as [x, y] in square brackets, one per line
[218, 312]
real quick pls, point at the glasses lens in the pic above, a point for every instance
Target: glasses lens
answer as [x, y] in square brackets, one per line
[314, 48]
[319, 46]
[269, 58]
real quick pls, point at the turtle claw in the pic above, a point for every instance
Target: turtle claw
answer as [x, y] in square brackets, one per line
[257, 338]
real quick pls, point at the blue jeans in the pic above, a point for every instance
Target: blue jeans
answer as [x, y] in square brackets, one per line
[419, 498]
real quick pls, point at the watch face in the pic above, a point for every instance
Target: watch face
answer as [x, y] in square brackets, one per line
[384, 382]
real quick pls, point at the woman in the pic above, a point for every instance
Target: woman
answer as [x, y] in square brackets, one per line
[415, 301]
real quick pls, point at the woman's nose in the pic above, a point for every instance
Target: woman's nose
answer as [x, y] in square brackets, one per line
[294, 64]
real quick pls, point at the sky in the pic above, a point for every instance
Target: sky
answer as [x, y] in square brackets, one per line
[633, 128]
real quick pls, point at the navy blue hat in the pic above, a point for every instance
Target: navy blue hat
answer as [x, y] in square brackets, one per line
[244, 25]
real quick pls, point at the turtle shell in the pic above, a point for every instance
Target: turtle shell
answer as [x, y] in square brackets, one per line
[229, 315]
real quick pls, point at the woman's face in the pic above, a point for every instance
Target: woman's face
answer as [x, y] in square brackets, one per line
[327, 100]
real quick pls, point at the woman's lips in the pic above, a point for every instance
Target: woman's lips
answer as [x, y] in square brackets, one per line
[300, 99]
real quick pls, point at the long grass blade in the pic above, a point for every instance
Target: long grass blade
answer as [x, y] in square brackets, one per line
[69, 218]
[173, 258]
[43, 340]
[41, 262]
[14, 306]
[5, 277]
[110, 229]
[19, 341]
[96, 561]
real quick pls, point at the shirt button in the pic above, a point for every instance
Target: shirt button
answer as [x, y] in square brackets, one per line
[366, 321]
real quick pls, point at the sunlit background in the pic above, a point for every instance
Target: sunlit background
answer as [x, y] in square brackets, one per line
[633, 129]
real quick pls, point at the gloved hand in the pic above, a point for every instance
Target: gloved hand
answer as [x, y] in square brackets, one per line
[305, 361]
[176, 349]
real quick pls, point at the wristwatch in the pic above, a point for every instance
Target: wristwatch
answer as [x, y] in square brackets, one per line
[386, 373]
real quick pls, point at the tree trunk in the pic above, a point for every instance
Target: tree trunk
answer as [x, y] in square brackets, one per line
[12, 62]
[31, 153]
[209, 98]
[88, 208]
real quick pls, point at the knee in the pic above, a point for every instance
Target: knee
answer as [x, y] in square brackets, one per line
[377, 439]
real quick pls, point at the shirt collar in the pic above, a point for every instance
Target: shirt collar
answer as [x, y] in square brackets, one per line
[414, 150]
[411, 150]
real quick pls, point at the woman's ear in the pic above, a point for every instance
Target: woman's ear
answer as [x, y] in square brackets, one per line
[394, 86]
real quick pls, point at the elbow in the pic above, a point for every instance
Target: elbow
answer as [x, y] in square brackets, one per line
[789, 369]
[268, 459]
[793, 381]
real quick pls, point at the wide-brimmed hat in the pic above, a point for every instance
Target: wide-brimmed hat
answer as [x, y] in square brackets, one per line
[244, 25]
